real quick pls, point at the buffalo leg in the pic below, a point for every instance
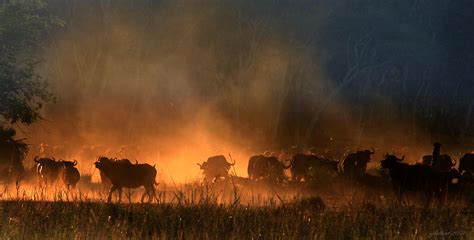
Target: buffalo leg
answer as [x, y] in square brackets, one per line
[152, 193]
[442, 196]
[120, 194]
[112, 190]
[147, 192]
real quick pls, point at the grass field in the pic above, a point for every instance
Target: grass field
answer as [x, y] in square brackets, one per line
[300, 220]
[192, 213]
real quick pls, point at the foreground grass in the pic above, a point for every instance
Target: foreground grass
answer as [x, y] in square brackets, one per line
[301, 220]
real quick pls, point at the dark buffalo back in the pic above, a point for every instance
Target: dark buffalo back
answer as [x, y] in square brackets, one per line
[355, 164]
[49, 169]
[218, 162]
[256, 167]
[71, 175]
[466, 163]
[444, 163]
[417, 177]
[127, 175]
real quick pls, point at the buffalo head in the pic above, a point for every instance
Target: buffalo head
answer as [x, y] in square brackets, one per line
[68, 164]
[369, 152]
[390, 160]
[103, 162]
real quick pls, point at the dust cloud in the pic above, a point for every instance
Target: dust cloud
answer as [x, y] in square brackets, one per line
[172, 84]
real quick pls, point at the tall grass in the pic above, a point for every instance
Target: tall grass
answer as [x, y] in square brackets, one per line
[193, 211]
[299, 220]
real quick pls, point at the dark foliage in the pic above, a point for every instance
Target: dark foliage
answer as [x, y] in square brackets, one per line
[12, 153]
[23, 24]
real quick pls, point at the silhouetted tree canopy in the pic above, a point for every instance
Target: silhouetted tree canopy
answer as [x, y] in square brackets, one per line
[23, 24]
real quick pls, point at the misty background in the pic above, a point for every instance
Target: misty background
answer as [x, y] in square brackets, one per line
[183, 80]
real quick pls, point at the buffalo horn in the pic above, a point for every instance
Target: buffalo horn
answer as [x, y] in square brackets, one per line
[373, 151]
[233, 161]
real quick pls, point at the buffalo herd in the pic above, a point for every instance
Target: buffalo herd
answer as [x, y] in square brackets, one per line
[50, 170]
[303, 167]
[435, 177]
[114, 173]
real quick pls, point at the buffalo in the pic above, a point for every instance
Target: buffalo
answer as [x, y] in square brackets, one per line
[301, 165]
[266, 167]
[305, 166]
[466, 163]
[71, 175]
[106, 181]
[355, 164]
[276, 170]
[427, 160]
[437, 161]
[417, 178]
[215, 168]
[255, 167]
[124, 175]
[444, 162]
[48, 169]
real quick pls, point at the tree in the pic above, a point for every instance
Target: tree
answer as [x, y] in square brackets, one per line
[12, 153]
[23, 24]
